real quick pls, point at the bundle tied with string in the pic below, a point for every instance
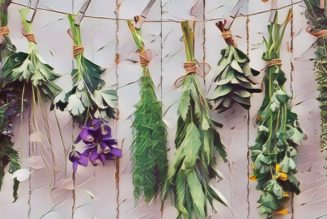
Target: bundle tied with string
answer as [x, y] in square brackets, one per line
[278, 133]
[149, 147]
[197, 145]
[317, 17]
[87, 99]
[233, 81]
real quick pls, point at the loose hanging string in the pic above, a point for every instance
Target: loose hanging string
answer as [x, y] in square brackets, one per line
[190, 68]
[4, 30]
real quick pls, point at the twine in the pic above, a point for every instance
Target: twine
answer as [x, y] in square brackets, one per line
[317, 33]
[190, 68]
[4, 30]
[273, 62]
[30, 37]
[144, 58]
[78, 50]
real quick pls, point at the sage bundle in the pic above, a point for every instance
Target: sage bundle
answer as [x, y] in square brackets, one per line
[149, 151]
[86, 98]
[197, 142]
[29, 68]
[233, 83]
[279, 133]
[317, 17]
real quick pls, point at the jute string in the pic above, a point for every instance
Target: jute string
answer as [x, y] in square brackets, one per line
[4, 30]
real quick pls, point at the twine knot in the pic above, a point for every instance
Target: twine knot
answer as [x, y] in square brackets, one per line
[145, 58]
[30, 37]
[273, 62]
[78, 50]
[317, 33]
[190, 68]
[4, 30]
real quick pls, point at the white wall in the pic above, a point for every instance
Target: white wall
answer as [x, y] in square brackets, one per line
[106, 192]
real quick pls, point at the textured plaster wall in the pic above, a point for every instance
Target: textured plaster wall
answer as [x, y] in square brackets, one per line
[106, 192]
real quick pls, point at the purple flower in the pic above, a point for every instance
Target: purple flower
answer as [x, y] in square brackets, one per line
[99, 145]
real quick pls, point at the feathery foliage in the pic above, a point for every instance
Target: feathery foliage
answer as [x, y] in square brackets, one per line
[197, 143]
[29, 68]
[233, 82]
[274, 152]
[318, 20]
[87, 97]
[149, 151]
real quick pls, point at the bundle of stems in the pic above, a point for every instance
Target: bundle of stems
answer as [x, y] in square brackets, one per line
[149, 151]
[274, 152]
[317, 17]
[7, 48]
[87, 98]
[197, 142]
[233, 83]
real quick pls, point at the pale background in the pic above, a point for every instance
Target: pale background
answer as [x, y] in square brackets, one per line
[106, 192]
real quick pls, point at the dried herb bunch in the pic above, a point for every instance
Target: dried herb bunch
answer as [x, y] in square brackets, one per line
[28, 69]
[233, 82]
[317, 17]
[9, 110]
[274, 152]
[197, 142]
[149, 150]
[87, 98]
[6, 46]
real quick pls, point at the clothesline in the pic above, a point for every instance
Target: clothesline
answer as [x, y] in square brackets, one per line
[160, 21]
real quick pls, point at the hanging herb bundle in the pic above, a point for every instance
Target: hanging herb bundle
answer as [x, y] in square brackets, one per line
[9, 110]
[197, 142]
[149, 151]
[29, 68]
[317, 17]
[274, 152]
[233, 82]
[6, 46]
[87, 98]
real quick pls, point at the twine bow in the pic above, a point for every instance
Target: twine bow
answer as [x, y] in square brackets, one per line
[145, 57]
[317, 33]
[30, 37]
[78, 50]
[4, 30]
[190, 68]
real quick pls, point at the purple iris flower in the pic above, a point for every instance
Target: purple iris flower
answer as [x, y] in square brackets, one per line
[99, 145]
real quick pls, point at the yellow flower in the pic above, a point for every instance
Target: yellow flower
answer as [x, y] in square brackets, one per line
[253, 178]
[280, 175]
[283, 211]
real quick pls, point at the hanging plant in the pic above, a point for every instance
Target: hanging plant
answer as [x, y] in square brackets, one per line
[274, 152]
[29, 68]
[317, 17]
[149, 151]
[197, 142]
[233, 83]
[6, 46]
[9, 110]
[87, 98]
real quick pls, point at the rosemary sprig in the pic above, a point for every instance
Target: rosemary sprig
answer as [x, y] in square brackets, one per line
[233, 82]
[197, 142]
[318, 20]
[274, 152]
[87, 98]
[149, 151]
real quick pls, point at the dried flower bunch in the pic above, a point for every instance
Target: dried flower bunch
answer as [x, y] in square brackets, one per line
[279, 133]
